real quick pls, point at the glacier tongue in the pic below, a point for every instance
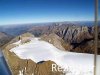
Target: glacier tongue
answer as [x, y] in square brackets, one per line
[39, 50]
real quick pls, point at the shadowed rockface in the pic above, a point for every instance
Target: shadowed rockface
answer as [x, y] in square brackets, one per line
[69, 36]
[74, 36]
[4, 38]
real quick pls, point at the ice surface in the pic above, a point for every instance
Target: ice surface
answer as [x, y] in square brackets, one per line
[38, 50]
[98, 65]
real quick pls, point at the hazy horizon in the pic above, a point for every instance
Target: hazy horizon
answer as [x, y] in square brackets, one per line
[74, 22]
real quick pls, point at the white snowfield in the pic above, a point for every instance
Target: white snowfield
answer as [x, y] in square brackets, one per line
[98, 65]
[39, 50]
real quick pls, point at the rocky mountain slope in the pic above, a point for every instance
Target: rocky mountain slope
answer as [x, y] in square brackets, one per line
[26, 66]
[77, 38]
[56, 41]
[70, 33]
[4, 38]
[99, 40]
[28, 55]
[74, 37]
[65, 37]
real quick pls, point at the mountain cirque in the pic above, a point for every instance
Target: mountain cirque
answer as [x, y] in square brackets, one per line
[71, 38]
[74, 36]
[23, 65]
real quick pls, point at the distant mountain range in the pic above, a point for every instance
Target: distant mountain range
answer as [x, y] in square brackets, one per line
[22, 28]
[75, 37]
[74, 34]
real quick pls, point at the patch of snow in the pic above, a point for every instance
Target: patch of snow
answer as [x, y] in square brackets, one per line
[38, 50]
[98, 65]
[17, 43]
[21, 72]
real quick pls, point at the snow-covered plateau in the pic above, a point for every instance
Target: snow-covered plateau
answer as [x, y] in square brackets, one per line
[39, 50]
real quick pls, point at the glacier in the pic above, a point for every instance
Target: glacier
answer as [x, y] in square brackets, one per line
[39, 50]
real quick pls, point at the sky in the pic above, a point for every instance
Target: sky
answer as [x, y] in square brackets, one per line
[37, 11]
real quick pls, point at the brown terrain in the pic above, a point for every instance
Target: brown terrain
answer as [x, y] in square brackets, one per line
[4, 38]
[73, 38]
[27, 67]
[65, 37]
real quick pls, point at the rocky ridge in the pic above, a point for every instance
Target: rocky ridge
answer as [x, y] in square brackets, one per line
[24, 66]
